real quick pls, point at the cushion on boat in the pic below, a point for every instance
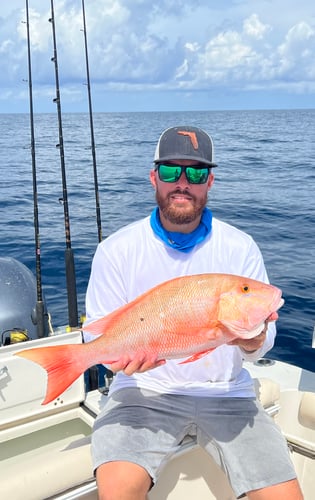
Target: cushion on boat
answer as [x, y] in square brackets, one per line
[45, 473]
[267, 391]
[307, 410]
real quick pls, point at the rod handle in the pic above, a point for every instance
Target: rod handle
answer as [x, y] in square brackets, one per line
[71, 288]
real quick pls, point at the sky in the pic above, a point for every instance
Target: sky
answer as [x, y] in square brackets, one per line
[159, 55]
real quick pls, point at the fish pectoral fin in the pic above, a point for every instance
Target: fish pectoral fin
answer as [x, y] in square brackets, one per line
[97, 327]
[196, 356]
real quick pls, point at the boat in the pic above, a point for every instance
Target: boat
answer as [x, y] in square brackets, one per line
[45, 450]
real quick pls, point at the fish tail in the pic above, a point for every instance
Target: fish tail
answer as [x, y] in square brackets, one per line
[63, 364]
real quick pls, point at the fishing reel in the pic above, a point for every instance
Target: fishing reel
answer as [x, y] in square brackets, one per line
[14, 336]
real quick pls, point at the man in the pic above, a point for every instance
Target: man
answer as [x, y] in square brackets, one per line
[153, 405]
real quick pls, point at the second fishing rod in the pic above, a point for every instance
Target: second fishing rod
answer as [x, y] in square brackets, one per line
[97, 199]
[69, 256]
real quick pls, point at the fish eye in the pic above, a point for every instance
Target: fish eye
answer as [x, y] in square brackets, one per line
[246, 289]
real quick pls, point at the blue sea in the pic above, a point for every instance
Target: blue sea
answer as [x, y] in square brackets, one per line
[264, 185]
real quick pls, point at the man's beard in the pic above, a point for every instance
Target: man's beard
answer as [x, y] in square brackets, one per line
[178, 215]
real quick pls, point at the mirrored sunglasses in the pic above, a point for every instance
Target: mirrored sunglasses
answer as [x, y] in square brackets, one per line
[196, 174]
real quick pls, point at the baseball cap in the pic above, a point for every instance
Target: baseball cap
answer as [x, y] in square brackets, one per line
[185, 143]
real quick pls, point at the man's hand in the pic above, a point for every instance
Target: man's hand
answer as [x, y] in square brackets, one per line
[252, 345]
[139, 364]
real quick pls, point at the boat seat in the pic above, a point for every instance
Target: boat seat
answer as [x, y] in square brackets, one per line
[307, 410]
[63, 465]
[58, 468]
[268, 393]
[192, 473]
[300, 430]
[297, 421]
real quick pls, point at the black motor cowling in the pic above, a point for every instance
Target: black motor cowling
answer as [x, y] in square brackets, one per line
[18, 299]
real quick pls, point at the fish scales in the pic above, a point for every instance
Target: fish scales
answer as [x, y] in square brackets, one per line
[186, 316]
[170, 307]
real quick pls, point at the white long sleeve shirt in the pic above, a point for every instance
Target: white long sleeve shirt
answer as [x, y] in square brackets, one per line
[134, 259]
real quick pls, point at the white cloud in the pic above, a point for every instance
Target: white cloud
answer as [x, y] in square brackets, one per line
[230, 59]
[140, 45]
[296, 53]
[253, 27]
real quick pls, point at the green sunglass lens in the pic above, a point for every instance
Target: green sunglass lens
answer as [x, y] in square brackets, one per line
[197, 175]
[169, 173]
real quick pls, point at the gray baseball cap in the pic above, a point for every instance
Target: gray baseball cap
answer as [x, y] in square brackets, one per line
[185, 143]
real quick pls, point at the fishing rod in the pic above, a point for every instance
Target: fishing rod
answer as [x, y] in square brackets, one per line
[69, 257]
[40, 314]
[97, 201]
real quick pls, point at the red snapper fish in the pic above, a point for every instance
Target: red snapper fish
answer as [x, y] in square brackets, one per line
[187, 316]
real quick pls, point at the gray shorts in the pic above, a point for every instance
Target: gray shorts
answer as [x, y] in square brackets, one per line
[147, 428]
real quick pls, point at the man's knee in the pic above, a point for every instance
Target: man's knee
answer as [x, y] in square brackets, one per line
[289, 490]
[123, 480]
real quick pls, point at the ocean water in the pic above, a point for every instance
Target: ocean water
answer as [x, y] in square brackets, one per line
[264, 185]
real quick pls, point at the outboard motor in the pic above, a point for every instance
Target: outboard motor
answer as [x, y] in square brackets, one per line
[17, 303]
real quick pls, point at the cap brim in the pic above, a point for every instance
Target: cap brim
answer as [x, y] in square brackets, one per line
[181, 156]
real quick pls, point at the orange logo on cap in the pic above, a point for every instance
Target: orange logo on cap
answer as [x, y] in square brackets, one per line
[192, 136]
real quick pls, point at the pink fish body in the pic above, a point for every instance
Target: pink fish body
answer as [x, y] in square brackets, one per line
[187, 316]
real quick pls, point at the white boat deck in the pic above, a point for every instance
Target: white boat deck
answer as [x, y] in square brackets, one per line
[45, 450]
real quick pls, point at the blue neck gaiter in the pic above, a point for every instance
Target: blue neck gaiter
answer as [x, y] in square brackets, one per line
[182, 241]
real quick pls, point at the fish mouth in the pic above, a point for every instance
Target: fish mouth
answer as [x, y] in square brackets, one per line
[274, 307]
[281, 303]
[277, 302]
[255, 328]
